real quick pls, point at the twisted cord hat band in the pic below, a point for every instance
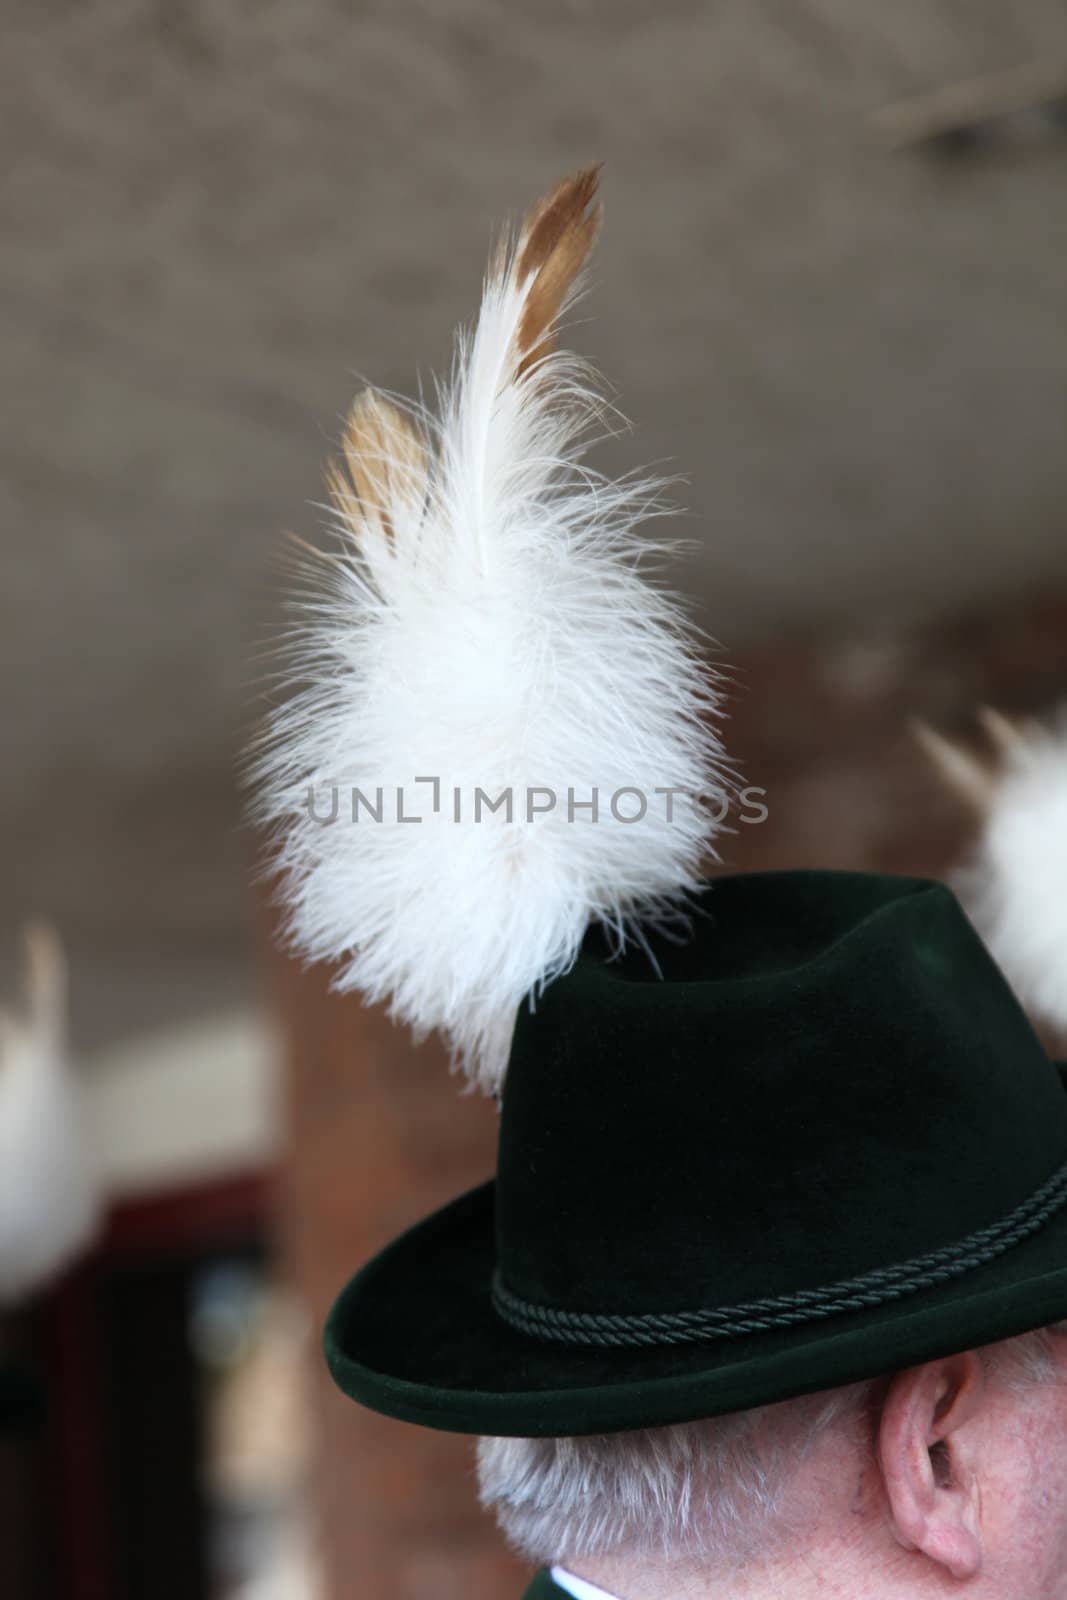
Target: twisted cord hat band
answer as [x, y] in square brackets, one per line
[879, 1287]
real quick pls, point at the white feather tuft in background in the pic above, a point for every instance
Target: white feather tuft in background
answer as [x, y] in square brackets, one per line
[1016, 888]
[48, 1196]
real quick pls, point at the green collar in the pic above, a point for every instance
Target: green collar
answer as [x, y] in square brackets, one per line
[543, 1588]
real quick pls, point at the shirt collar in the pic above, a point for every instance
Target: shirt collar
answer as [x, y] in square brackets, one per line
[579, 1588]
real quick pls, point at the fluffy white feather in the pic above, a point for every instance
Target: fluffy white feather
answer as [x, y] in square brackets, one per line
[48, 1203]
[484, 623]
[1017, 885]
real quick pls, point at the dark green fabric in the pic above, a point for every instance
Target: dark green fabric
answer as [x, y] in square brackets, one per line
[829, 1078]
[755, 1100]
[542, 1588]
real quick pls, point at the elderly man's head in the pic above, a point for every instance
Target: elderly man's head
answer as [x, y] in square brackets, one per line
[947, 1476]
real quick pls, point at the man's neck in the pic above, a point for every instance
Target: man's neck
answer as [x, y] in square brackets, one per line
[812, 1575]
[624, 1579]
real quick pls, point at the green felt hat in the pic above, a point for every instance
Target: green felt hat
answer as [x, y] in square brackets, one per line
[817, 1142]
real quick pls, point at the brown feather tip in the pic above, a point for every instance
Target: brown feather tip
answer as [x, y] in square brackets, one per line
[1008, 736]
[555, 242]
[971, 776]
[386, 460]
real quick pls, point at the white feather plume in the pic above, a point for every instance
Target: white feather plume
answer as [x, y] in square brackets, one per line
[48, 1199]
[1016, 887]
[484, 624]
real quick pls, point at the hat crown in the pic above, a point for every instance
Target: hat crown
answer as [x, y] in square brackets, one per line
[828, 1079]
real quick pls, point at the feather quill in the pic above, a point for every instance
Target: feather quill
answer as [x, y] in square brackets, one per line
[484, 630]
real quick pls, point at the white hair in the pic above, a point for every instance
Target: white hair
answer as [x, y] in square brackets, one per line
[715, 1492]
[708, 1491]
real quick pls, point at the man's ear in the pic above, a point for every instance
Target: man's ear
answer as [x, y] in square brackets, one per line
[928, 1472]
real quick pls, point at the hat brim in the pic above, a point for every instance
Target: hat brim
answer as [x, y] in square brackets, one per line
[415, 1335]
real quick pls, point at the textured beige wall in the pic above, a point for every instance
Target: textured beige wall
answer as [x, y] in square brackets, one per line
[215, 213]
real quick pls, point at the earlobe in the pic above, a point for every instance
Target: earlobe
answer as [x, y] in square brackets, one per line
[927, 1471]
